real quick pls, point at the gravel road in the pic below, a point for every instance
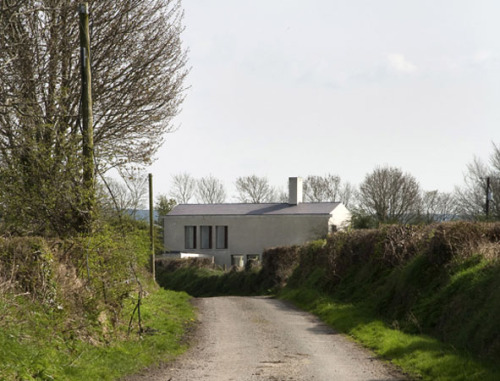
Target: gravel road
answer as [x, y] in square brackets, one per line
[258, 338]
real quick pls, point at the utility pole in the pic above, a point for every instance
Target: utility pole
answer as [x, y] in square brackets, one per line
[152, 226]
[87, 119]
[488, 197]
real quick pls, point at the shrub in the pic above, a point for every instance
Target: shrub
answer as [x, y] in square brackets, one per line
[440, 279]
[173, 264]
[278, 264]
[27, 264]
[454, 240]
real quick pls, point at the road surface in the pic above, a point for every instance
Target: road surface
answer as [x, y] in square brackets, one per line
[258, 338]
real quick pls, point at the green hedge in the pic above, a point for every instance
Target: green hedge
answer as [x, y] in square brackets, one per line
[442, 280]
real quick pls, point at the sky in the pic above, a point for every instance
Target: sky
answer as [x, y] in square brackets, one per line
[295, 88]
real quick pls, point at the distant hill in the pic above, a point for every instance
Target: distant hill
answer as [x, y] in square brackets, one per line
[142, 214]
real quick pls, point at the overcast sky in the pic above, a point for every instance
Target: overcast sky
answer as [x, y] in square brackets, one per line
[295, 88]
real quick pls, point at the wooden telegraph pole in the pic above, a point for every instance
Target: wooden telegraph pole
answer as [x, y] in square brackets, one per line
[488, 197]
[152, 225]
[87, 119]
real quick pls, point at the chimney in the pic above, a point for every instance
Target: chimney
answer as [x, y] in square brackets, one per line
[294, 190]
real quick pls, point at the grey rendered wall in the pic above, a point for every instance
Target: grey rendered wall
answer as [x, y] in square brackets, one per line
[246, 234]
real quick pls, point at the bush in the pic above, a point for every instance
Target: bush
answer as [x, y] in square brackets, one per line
[454, 240]
[27, 265]
[441, 279]
[84, 280]
[278, 264]
[174, 264]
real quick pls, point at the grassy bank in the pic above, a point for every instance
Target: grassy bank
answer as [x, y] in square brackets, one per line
[420, 356]
[37, 347]
[442, 281]
[69, 308]
[424, 297]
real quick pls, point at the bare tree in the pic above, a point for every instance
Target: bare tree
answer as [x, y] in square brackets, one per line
[183, 188]
[281, 196]
[390, 195]
[113, 196]
[210, 190]
[437, 206]
[321, 188]
[347, 194]
[254, 189]
[471, 196]
[495, 158]
[128, 194]
[136, 183]
[328, 188]
[138, 68]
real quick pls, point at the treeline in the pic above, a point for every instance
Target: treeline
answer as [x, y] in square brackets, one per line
[386, 195]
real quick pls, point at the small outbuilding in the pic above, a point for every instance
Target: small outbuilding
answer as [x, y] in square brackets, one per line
[235, 233]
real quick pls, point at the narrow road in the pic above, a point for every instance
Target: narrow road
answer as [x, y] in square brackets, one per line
[244, 338]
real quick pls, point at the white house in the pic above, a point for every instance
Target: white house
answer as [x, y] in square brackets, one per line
[233, 233]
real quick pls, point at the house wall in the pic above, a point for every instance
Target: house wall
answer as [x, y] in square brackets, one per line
[247, 234]
[341, 217]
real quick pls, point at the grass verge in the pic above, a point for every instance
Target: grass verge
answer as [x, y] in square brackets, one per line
[420, 356]
[34, 344]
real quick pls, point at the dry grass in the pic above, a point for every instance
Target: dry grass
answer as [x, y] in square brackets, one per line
[490, 251]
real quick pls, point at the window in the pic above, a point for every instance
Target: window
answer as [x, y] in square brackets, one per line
[206, 237]
[190, 237]
[253, 257]
[221, 237]
[237, 260]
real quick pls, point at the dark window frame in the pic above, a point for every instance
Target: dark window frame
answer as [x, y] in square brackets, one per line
[253, 256]
[225, 230]
[189, 244]
[210, 241]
